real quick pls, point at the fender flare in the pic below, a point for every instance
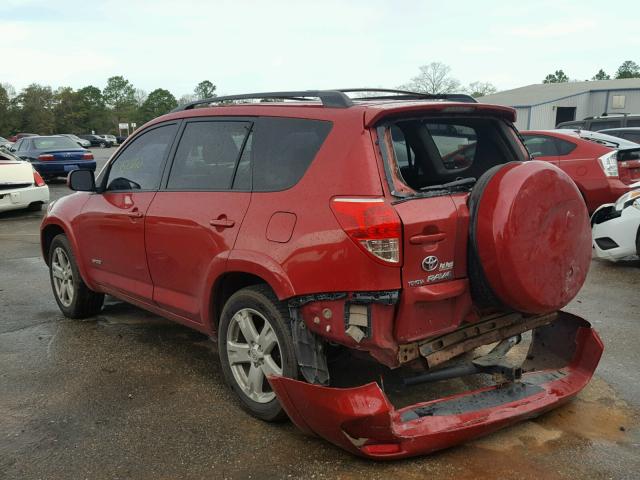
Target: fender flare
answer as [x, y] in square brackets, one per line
[244, 261]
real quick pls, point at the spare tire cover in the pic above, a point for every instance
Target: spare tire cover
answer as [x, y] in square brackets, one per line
[530, 236]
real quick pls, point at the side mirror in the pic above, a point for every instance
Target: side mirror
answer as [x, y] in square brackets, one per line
[81, 181]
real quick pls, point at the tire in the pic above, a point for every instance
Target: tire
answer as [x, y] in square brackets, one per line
[80, 301]
[35, 207]
[260, 306]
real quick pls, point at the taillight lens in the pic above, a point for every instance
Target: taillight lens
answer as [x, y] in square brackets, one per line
[372, 224]
[609, 163]
[37, 179]
[87, 156]
[45, 157]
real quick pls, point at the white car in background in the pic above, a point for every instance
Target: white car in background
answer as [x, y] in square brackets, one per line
[616, 227]
[20, 185]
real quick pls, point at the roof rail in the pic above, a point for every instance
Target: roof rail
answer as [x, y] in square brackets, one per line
[329, 98]
[408, 95]
[332, 98]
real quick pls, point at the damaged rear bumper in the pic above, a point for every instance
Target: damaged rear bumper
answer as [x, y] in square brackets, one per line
[562, 358]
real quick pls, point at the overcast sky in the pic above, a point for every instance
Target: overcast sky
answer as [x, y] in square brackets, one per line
[245, 46]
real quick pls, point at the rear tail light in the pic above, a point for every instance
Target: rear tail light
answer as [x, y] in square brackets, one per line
[45, 157]
[87, 156]
[37, 179]
[372, 224]
[609, 163]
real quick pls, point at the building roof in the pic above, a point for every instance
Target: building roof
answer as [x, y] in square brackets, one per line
[539, 93]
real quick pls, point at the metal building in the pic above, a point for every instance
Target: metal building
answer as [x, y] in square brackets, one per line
[544, 105]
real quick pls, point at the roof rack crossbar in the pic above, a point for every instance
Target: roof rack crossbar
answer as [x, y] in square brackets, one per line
[408, 95]
[329, 98]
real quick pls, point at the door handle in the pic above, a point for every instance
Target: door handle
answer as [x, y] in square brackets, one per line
[430, 238]
[222, 222]
[135, 213]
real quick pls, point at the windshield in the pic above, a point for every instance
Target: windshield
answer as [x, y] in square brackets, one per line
[54, 143]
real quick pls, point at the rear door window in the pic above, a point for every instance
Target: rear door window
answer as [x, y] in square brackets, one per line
[633, 122]
[282, 149]
[139, 167]
[207, 155]
[632, 136]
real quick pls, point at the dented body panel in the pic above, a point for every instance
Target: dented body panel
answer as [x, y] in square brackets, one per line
[561, 360]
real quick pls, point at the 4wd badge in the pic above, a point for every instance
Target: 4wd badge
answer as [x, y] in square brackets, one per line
[430, 263]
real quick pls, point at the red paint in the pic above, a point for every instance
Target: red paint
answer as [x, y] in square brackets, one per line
[582, 165]
[533, 237]
[364, 422]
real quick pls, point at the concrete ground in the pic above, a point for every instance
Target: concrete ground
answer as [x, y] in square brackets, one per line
[129, 395]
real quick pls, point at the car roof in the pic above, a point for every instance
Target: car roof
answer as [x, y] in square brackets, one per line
[621, 129]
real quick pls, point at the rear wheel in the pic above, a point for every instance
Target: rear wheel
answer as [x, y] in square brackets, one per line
[72, 295]
[35, 207]
[255, 341]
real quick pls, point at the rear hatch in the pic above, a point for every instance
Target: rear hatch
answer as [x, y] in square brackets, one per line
[431, 163]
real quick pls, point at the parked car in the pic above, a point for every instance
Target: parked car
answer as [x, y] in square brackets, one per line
[54, 156]
[408, 229]
[111, 138]
[18, 136]
[97, 141]
[4, 143]
[80, 141]
[602, 166]
[120, 139]
[20, 185]
[602, 122]
[616, 227]
[631, 134]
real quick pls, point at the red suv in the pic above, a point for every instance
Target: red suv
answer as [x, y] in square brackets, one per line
[407, 228]
[603, 166]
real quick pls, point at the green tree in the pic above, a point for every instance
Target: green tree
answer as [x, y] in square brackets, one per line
[65, 110]
[480, 89]
[628, 69]
[159, 102]
[433, 78]
[92, 111]
[601, 75]
[204, 89]
[558, 77]
[5, 107]
[36, 109]
[119, 94]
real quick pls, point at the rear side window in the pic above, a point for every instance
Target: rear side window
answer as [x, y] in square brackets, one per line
[282, 149]
[207, 154]
[139, 167]
[633, 122]
[632, 136]
[544, 146]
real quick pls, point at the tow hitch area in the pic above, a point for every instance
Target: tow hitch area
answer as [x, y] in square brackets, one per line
[560, 361]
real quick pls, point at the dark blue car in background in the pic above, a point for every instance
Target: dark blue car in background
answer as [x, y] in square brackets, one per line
[54, 156]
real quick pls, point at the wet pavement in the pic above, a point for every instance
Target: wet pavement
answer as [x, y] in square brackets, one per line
[129, 395]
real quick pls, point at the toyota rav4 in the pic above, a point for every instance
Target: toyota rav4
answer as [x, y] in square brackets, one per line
[410, 229]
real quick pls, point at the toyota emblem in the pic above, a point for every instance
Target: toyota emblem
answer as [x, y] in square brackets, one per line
[430, 263]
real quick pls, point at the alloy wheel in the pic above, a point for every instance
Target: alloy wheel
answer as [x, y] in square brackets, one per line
[62, 274]
[253, 352]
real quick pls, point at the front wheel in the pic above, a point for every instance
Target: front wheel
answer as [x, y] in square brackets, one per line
[255, 341]
[72, 295]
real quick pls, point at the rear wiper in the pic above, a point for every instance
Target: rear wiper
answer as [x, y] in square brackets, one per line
[451, 186]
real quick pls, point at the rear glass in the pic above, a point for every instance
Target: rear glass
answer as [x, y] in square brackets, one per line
[281, 150]
[49, 143]
[435, 151]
